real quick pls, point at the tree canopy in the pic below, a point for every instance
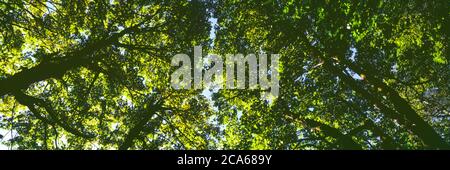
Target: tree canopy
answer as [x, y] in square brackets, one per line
[96, 74]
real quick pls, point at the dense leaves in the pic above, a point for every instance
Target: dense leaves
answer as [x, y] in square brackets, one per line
[96, 74]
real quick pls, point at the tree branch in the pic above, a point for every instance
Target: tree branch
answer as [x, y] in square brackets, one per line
[33, 103]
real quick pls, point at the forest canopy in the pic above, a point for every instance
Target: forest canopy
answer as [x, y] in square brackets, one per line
[85, 74]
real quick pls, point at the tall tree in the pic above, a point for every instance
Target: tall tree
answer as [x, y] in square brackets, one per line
[96, 75]
[92, 74]
[358, 69]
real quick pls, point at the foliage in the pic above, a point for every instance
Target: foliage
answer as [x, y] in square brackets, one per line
[95, 74]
